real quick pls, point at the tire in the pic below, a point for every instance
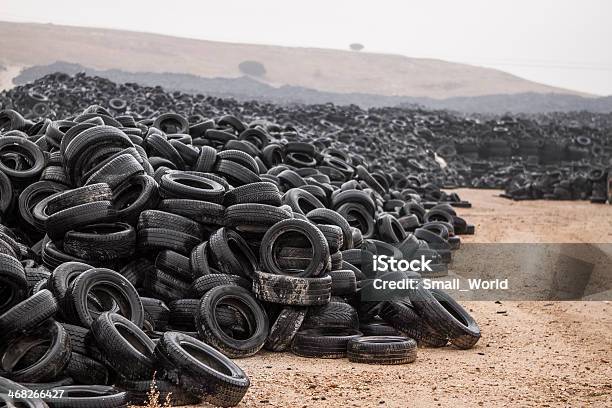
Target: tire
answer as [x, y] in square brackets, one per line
[260, 193]
[240, 157]
[88, 396]
[183, 313]
[201, 370]
[343, 282]
[157, 239]
[199, 261]
[136, 195]
[301, 201]
[106, 281]
[387, 350]
[327, 216]
[30, 196]
[62, 277]
[389, 229]
[35, 159]
[333, 314]
[236, 174]
[323, 342]
[404, 318]
[241, 299]
[377, 328]
[125, 346]
[85, 370]
[288, 290]
[116, 171]
[174, 264]
[79, 216]
[162, 219]
[159, 146]
[446, 316]
[138, 392]
[207, 282]
[200, 211]
[13, 283]
[232, 254]
[28, 314]
[206, 159]
[189, 186]
[254, 217]
[321, 261]
[78, 196]
[284, 328]
[101, 242]
[156, 313]
[47, 366]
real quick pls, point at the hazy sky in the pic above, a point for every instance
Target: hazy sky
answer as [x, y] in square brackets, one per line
[566, 43]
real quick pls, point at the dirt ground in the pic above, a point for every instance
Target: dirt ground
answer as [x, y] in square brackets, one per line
[543, 354]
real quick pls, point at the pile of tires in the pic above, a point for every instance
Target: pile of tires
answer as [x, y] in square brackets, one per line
[166, 245]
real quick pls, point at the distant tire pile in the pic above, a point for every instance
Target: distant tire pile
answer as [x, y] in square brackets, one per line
[169, 245]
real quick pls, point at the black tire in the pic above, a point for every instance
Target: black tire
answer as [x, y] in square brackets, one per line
[284, 328]
[139, 392]
[343, 282]
[235, 173]
[201, 211]
[138, 194]
[44, 367]
[446, 316]
[301, 201]
[157, 239]
[386, 350]
[403, 317]
[125, 346]
[86, 370]
[78, 196]
[189, 186]
[333, 314]
[183, 314]
[199, 261]
[377, 328]
[112, 284]
[241, 299]
[260, 193]
[101, 242]
[162, 219]
[207, 282]
[32, 195]
[323, 342]
[206, 159]
[288, 229]
[116, 171]
[98, 212]
[62, 277]
[201, 370]
[29, 150]
[232, 254]
[13, 282]
[28, 314]
[327, 216]
[88, 396]
[174, 264]
[288, 290]
[254, 217]
[156, 313]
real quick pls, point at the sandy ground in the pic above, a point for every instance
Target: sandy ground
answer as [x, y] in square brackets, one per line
[544, 354]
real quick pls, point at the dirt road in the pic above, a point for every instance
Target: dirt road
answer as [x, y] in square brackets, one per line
[543, 354]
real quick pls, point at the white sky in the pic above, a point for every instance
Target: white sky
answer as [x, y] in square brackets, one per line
[565, 43]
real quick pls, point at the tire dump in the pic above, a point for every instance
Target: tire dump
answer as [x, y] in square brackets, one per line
[147, 233]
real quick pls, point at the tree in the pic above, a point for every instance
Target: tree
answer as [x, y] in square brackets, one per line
[253, 68]
[356, 47]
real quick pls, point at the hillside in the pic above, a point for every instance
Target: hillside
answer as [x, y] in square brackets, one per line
[335, 71]
[245, 88]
